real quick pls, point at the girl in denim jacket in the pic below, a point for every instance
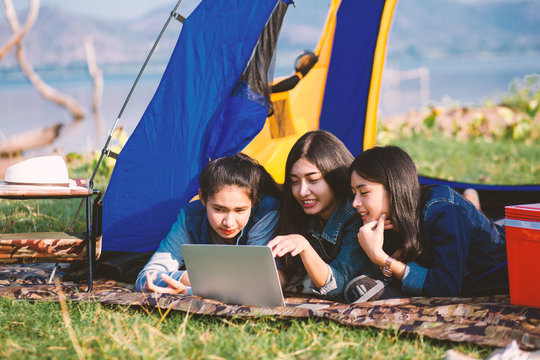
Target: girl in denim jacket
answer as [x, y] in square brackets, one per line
[436, 243]
[238, 205]
[318, 223]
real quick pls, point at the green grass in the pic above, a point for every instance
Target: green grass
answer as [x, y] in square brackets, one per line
[51, 214]
[477, 160]
[38, 330]
[39, 215]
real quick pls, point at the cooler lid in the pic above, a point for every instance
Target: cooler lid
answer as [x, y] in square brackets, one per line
[530, 212]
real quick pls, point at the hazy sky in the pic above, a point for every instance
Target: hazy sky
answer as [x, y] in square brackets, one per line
[125, 9]
[122, 9]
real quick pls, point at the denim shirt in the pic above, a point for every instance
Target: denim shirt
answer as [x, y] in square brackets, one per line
[466, 248]
[338, 246]
[192, 227]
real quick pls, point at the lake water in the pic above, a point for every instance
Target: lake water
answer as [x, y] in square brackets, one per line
[22, 109]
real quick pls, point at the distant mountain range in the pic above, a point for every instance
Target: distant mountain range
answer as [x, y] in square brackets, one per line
[57, 38]
[441, 28]
[422, 29]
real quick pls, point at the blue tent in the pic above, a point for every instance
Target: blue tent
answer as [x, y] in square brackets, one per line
[211, 102]
[188, 122]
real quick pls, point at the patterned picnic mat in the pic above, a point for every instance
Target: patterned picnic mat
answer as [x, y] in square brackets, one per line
[485, 321]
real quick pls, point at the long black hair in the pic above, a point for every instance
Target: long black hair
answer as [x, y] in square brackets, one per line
[238, 170]
[331, 157]
[395, 170]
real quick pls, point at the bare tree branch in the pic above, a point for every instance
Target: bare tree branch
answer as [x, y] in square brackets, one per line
[30, 20]
[45, 90]
[97, 75]
[30, 140]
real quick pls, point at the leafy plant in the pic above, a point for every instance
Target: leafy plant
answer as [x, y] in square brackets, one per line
[524, 95]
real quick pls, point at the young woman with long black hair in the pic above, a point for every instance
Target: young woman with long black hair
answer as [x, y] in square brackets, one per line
[318, 223]
[437, 242]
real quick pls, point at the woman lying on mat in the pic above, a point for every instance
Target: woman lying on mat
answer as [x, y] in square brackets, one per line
[319, 248]
[437, 243]
[238, 205]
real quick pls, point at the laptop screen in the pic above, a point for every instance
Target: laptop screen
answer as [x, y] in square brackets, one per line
[241, 275]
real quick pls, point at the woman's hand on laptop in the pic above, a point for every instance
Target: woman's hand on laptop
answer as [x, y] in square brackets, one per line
[175, 287]
[294, 244]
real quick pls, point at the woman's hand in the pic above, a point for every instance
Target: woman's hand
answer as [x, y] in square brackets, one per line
[175, 287]
[371, 239]
[296, 244]
[293, 244]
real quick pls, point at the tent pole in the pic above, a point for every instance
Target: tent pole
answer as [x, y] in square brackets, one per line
[105, 151]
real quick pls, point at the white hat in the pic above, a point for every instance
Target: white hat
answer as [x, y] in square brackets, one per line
[43, 170]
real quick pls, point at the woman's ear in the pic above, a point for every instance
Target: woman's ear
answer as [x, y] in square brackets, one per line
[201, 198]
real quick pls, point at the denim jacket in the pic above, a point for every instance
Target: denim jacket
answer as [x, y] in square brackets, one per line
[338, 246]
[192, 227]
[469, 250]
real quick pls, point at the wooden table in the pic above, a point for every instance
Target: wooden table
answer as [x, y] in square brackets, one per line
[75, 189]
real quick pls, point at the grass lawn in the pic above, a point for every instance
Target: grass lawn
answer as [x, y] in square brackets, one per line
[92, 330]
[475, 161]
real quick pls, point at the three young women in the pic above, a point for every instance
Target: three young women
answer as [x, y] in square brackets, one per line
[429, 240]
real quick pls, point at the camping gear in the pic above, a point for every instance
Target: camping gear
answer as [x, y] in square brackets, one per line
[46, 177]
[190, 119]
[522, 225]
[56, 247]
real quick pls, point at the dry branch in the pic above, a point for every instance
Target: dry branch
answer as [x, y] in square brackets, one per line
[30, 140]
[17, 37]
[45, 90]
[97, 76]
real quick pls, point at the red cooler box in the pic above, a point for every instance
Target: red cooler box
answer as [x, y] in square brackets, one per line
[522, 224]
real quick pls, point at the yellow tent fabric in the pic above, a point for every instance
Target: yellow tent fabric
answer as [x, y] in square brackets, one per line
[376, 75]
[297, 111]
[302, 103]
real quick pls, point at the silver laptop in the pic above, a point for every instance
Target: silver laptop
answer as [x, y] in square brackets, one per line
[241, 275]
